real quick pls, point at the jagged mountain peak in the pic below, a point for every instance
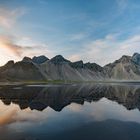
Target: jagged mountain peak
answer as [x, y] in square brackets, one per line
[40, 59]
[124, 59]
[11, 62]
[59, 68]
[26, 59]
[136, 54]
[59, 59]
[136, 58]
[125, 68]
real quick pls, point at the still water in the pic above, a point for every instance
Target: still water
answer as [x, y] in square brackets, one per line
[70, 112]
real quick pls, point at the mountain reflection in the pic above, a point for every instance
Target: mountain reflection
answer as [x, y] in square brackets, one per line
[57, 97]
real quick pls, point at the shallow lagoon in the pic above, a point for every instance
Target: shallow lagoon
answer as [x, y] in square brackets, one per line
[70, 111]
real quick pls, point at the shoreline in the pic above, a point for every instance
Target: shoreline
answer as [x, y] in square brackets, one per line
[10, 83]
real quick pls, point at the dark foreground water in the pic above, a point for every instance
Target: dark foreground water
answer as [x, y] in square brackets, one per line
[70, 112]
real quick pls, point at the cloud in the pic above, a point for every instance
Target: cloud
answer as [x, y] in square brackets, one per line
[8, 17]
[75, 57]
[8, 117]
[14, 115]
[8, 43]
[15, 48]
[108, 49]
[75, 107]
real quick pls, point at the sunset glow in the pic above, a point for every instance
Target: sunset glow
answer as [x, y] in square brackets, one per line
[77, 30]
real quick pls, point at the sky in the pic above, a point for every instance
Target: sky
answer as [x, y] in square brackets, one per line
[99, 31]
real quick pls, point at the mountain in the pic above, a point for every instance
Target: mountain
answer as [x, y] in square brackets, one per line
[19, 71]
[59, 59]
[94, 66]
[136, 58]
[126, 68]
[39, 59]
[59, 68]
[40, 68]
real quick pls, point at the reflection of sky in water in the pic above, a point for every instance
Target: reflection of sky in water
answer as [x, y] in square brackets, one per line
[71, 116]
[17, 123]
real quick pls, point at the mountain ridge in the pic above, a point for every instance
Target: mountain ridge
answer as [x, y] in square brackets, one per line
[58, 68]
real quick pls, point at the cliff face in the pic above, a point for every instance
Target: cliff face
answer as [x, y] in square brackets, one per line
[59, 68]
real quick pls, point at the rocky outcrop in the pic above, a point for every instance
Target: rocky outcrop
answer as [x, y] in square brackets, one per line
[136, 58]
[39, 59]
[59, 59]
